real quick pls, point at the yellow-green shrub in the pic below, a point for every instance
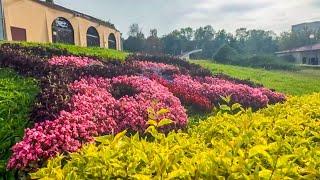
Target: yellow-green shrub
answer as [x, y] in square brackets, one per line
[280, 142]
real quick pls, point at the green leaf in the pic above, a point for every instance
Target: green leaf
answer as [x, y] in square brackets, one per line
[235, 106]
[265, 173]
[224, 108]
[165, 122]
[177, 173]
[152, 123]
[162, 111]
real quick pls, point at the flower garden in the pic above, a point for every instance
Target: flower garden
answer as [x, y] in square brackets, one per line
[100, 118]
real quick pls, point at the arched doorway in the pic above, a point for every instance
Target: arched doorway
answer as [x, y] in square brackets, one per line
[62, 31]
[93, 39]
[112, 42]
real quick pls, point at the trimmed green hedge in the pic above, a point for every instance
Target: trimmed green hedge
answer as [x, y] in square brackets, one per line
[280, 142]
[77, 50]
[16, 97]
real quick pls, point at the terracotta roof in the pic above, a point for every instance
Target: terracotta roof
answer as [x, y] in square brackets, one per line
[76, 13]
[313, 47]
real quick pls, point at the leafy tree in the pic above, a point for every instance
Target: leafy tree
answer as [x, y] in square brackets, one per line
[153, 44]
[172, 43]
[261, 42]
[186, 34]
[204, 34]
[136, 39]
[289, 40]
[226, 54]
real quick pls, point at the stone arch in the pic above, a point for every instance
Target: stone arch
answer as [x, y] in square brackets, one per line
[93, 38]
[62, 31]
[112, 41]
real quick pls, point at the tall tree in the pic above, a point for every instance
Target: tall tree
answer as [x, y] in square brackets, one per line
[186, 34]
[153, 44]
[136, 39]
[204, 34]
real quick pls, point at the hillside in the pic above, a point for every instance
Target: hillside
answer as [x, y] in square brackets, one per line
[132, 117]
[300, 82]
[77, 50]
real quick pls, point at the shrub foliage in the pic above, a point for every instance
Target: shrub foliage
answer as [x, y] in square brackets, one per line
[280, 142]
[16, 97]
[84, 95]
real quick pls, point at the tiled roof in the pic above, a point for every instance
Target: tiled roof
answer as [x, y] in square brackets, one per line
[88, 17]
[313, 47]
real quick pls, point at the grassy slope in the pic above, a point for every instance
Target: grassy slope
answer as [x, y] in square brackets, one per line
[77, 50]
[16, 96]
[294, 83]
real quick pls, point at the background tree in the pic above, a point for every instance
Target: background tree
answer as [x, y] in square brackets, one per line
[136, 40]
[153, 44]
[246, 43]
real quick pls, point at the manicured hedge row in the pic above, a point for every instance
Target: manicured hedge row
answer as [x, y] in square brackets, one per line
[93, 52]
[188, 68]
[280, 142]
[54, 94]
[206, 92]
[94, 111]
[16, 96]
[82, 97]
[185, 67]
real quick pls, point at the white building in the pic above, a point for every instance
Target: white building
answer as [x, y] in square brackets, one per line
[305, 55]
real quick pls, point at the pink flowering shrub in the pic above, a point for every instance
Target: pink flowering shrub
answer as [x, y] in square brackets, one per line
[155, 67]
[273, 97]
[73, 61]
[207, 92]
[94, 112]
[188, 96]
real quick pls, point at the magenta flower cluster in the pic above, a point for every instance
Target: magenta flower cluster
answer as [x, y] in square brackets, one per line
[207, 92]
[95, 111]
[158, 68]
[73, 61]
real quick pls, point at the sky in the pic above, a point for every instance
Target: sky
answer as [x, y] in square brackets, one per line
[167, 15]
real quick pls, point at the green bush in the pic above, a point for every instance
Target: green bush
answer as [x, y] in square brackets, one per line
[16, 97]
[226, 55]
[280, 142]
[267, 62]
[87, 51]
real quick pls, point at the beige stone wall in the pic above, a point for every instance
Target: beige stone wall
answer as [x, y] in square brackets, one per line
[37, 20]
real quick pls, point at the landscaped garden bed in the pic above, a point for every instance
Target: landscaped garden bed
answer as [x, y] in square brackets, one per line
[84, 97]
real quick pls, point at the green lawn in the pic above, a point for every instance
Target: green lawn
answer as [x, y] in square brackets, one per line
[294, 83]
[16, 96]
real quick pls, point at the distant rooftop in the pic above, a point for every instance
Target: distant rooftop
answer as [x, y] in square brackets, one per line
[76, 13]
[313, 47]
[307, 23]
[310, 26]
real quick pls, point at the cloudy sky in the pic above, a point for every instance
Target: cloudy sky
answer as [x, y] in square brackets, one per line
[167, 15]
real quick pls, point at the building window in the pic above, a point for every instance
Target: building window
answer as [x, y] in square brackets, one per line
[112, 42]
[314, 61]
[18, 34]
[62, 31]
[304, 60]
[93, 39]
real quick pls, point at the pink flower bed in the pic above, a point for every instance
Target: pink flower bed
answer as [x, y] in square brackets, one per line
[273, 97]
[73, 61]
[158, 68]
[188, 96]
[95, 111]
[207, 92]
